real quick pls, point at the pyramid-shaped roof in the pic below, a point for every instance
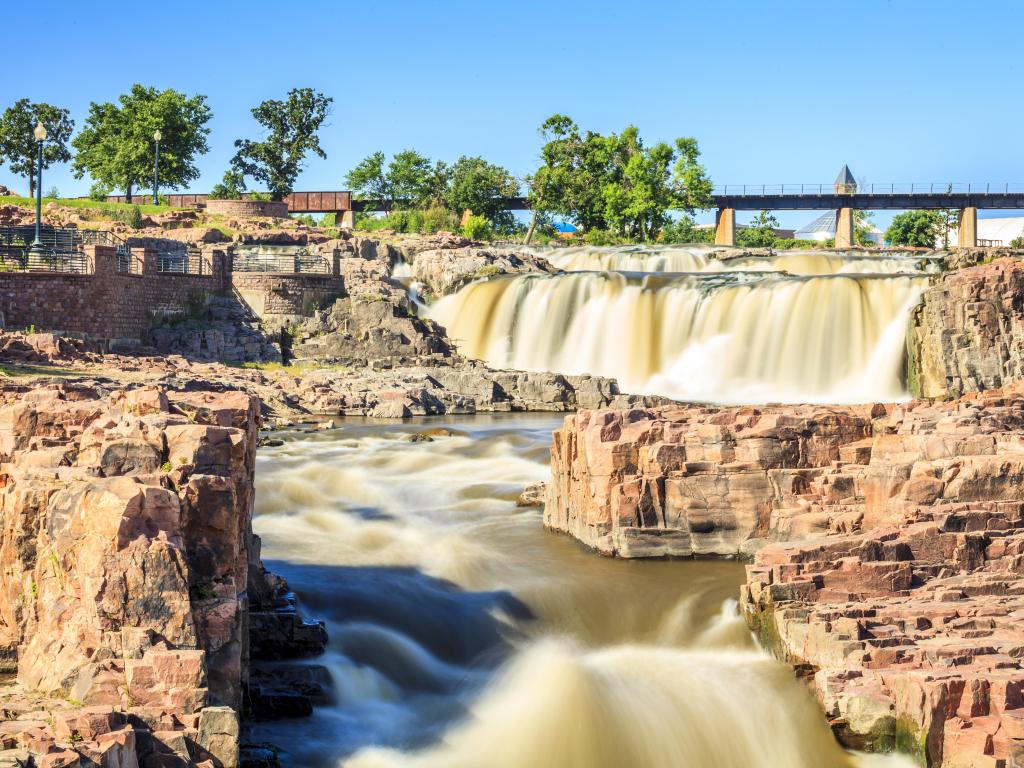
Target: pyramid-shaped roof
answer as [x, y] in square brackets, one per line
[825, 223]
[845, 177]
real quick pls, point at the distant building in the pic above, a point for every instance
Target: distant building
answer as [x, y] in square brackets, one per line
[824, 227]
[993, 232]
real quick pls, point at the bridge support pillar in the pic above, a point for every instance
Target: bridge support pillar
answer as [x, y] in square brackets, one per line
[967, 233]
[844, 228]
[347, 220]
[725, 226]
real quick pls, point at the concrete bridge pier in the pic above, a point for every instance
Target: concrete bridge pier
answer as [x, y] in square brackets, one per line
[725, 226]
[347, 219]
[967, 232]
[844, 228]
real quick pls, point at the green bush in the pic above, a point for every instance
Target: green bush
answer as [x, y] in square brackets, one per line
[477, 228]
[1017, 242]
[602, 237]
[329, 220]
[130, 216]
[438, 218]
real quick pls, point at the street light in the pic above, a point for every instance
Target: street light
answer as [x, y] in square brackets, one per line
[156, 168]
[40, 134]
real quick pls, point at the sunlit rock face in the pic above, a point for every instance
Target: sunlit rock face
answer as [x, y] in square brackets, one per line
[968, 334]
[700, 325]
[887, 543]
[125, 551]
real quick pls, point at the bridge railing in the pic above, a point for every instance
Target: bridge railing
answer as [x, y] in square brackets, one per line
[908, 188]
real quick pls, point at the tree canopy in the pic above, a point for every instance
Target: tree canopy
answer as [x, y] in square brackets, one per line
[116, 145]
[760, 232]
[18, 146]
[413, 181]
[615, 182]
[478, 186]
[293, 127]
[914, 228]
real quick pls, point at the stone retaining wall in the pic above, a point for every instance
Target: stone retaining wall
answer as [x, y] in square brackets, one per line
[106, 303]
[246, 208]
[279, 299]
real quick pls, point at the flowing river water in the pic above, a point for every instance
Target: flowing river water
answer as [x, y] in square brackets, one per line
[464, 635]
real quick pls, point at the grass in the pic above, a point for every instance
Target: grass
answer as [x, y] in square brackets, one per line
[19, 371]
[28, 202]
[293, 368]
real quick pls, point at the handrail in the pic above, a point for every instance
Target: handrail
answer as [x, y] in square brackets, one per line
[896, 188]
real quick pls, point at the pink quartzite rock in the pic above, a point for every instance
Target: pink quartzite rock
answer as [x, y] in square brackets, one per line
[887, 542]
[125, 551]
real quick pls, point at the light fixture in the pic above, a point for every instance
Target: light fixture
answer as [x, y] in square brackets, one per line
[40, 131]
[156, 135]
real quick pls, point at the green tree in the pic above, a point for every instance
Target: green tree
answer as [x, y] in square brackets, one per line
[480, 187]
[615, 182]
[116, 145]
[862, 229]
[683, 229]
[914, 228]
[18, 144]
[230, 187]
[760, 232]
[369, 179]
[292, 132]
[408, 181]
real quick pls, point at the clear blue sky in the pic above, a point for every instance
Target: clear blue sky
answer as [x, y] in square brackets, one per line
[902, 90]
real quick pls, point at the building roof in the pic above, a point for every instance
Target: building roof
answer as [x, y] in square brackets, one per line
[845, 177]
[824, 223]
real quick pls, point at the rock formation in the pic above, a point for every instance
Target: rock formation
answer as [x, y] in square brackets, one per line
[968, 333]
[128, 566]
[888, 541]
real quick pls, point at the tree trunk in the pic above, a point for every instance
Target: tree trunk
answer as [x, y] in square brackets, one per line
[128, 192]
[32, 178]
[533, 226]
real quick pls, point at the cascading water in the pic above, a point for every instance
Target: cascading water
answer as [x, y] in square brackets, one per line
[463, 635]
[793, 327]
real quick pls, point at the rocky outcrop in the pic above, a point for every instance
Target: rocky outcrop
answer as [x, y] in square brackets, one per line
[222, 331]
[967, 335]
[888, 546]
[694, 480]
[445, 271]
[127, 562]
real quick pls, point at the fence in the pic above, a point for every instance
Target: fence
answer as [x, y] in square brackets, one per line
[298, 262]
[61, 250]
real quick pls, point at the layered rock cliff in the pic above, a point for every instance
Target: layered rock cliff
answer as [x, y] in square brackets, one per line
[967, 335]
[128, 564]
[895, 582]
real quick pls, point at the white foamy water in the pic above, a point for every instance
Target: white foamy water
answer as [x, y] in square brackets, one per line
[462, 634]
[725, 337]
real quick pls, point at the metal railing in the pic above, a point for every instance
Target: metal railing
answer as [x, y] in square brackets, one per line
[301, 262]
[62, 250]
[909, 188]
[181, 263]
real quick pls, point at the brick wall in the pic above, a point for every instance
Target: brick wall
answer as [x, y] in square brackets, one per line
[277, 209]
[106, 303]
[278, 299]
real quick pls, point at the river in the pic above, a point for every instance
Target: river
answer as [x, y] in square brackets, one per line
[463, 634]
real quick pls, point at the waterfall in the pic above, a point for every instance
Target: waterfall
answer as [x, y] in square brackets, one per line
[792, 327]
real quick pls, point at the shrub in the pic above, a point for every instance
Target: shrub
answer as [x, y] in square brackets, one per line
[477, 228]
[1017, 242]
[438, 218]
[131, 216]
[328, 220]
[601, 237]
[52, 192]
[262, 197]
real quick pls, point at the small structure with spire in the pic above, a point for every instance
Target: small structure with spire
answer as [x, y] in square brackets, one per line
[845, 183]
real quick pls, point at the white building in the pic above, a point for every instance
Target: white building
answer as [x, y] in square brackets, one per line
[993, 232]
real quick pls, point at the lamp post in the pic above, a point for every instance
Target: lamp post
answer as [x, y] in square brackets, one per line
[40, 134]
[156, 168]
